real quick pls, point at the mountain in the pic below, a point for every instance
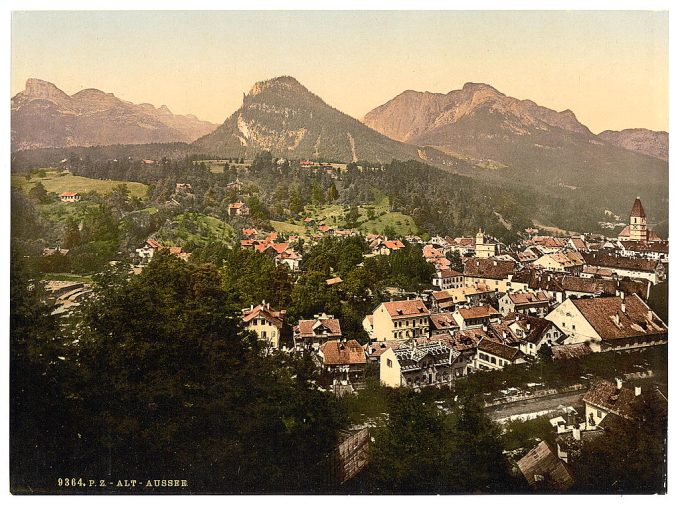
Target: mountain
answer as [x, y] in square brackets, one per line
[518, 141]
[653, 143]
[284, 117]
[43, 116]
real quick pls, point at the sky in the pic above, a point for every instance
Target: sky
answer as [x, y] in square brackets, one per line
[609, 67]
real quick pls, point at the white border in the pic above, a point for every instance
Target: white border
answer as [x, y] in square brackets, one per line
[332, 502]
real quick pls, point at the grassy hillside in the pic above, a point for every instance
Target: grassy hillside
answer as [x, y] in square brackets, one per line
[59, 181]
[195, 229]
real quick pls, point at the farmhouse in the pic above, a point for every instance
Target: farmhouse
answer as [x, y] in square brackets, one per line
[69, 197]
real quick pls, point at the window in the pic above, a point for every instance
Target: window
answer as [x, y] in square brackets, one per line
[389, 362]
[573, 327]
[263, 335]
[599, 413]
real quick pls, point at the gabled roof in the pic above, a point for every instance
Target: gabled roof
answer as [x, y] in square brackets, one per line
[478, 312]
[569, 351]
[448, 272]
[319, 327]
[406, 308]
[336, 352]
[532, 327]
[543, 469]
[616, 318]
[488, 268]
[498, 349]
[529, 298]
[275, 317]
[68, 194]
[443, 320]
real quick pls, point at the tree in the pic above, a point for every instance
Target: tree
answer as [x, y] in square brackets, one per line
[352, 216]
[332, 193]
[39, 193]
[456, 261]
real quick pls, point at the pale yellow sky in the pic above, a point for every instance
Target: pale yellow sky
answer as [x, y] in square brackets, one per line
[609, 67]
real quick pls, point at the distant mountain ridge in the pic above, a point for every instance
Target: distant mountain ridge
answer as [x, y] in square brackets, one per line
[652, 143]
[283, 116]
[537, 144]
[43, 116]
[413, 116]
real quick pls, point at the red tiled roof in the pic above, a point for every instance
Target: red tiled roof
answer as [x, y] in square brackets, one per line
[406, 308]
[393, 244]
[443, 320]
[448, 272]
[478, 312]
[275, 317]
[336, 352]
[529, 298]
[316, 327]
[611, 321]
[67, 194]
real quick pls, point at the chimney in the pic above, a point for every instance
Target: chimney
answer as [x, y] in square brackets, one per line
[576, 433]
[619, 383]
[528, 326]
[623, 307]
[638, 391]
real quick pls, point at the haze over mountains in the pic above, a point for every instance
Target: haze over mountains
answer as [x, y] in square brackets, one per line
[44, 116]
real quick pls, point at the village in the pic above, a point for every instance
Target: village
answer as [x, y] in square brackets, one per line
[490, 306]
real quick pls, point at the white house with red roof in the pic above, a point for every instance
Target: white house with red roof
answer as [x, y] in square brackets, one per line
[266, 322]
[69, 197]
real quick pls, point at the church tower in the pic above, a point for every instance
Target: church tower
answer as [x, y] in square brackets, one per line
[638, 222]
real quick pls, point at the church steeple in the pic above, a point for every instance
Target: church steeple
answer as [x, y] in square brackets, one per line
[638, 222]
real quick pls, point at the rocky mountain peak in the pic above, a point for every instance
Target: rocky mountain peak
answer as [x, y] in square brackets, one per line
[39, 89]
[280, 83]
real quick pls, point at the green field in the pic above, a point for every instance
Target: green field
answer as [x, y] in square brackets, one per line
[334, 216]
[58, 182]
[286, 228]
[193, 228]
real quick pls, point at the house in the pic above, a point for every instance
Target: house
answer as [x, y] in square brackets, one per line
[536, 304]
[609, 323]
[249, 232]
[560, 262]
[69, 197]
[401, 320]
[146, 251]
[343, 361]
[238, 209]
[532, 332]
[492, 355]
[333, 281]
[489, 271]
[442, 322]
[386, 247]
[183, 188]
[644, 249]
[311, 333]
[290, 259]
[475, 317]
[325, 229]
[637, 230]
[607, 398]
[419, 363]
[448, 279]
[635, 268]
[543, 470]
[266, 322]
[484, 248]
[51, 251]
[577, 243]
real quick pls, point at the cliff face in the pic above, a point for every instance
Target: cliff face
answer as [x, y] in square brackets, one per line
[43, 116]
[652, 143]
